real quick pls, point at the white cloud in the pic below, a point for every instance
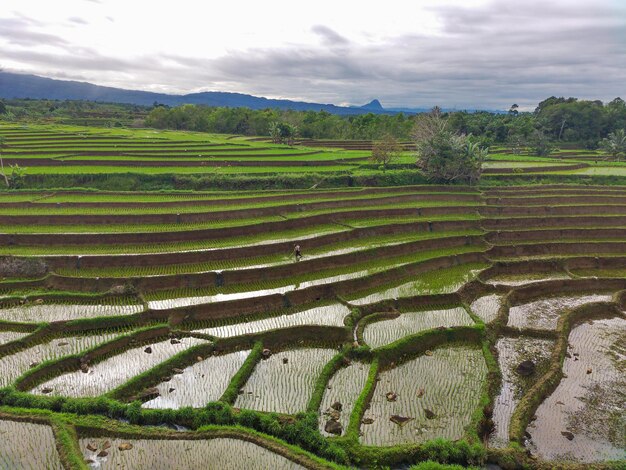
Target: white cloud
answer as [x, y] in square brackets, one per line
[460, 53]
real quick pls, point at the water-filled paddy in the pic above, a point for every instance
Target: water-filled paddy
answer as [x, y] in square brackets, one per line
[583, 419]
[448, 384]
[284, 387]
[199, 383]
[343, 387]
[487, 307]
[544, 313]
[511, 353]
[27, 446]
[328, 315]
[58, 312]
[14, 365]
[221, 453]
[387, 331]
[8, 336]
[114, 371]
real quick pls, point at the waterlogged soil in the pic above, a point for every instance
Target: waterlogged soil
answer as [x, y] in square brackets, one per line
[219, 453]
[544, 314]
[528, 278]
[588, 404]
[381, 333]
[14, 365]
[56, 312]
[329, 315]
[344, 387]
[443, 281]
[487, 307]
[448, 384]
[8, 336]
[104, 376]
[199, 384]
[284, 387]
[27, 446]
[511, 352]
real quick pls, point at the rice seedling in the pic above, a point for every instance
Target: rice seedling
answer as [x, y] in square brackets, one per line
[8, 336]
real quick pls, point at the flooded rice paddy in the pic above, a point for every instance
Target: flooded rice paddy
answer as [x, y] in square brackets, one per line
[60, 312]
[104, 376]
[544, 313]
[511, 353]
[344, 387]
[9, 336]
[329, 315]
[383, 332]
[438, 394]
[146, 454]
[487, 307]
[284, 386]
[200, 383]
[14, 365]
[27, 446]
[583, 419]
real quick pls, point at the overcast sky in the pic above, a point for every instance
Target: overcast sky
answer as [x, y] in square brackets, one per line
[452, 53]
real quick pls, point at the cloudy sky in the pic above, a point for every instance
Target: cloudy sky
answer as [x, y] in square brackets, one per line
[453, 53]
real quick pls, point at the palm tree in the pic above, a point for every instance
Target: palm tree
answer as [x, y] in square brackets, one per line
[615, 144]
[6, 178]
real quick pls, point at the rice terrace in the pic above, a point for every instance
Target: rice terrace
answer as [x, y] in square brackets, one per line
[204, 264]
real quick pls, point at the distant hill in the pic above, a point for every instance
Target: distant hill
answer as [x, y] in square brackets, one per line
[13, 85]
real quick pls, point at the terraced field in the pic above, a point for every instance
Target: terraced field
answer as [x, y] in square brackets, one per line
[173, 328]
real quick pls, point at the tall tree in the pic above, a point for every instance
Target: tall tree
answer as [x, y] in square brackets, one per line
[615, 144]
[386, 150]
[445, 156]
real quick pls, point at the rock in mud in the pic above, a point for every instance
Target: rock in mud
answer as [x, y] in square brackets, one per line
[177, 371]
[400, 420]
[125, 446]
[106, 445]
[46, 390]
[84, 368]
[171, 390]
[428, 352]
[333, 414]
[92, 447]
[174, 341]
[285, 360]
[568, 435]
[103, 453]
[33, 365]
[337, 406]
[589, 371]
[148, 350]
[420, 392]
[333, 427]
[429, 414]
[367, 420]
[391, 396]
[63, 343]
[266, 353]
[525, 368]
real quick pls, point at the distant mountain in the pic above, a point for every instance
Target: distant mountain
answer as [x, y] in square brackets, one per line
[13, 85]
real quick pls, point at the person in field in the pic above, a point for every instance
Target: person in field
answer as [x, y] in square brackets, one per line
[297, 253]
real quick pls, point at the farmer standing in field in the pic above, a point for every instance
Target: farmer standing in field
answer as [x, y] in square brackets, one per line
[297, 252]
